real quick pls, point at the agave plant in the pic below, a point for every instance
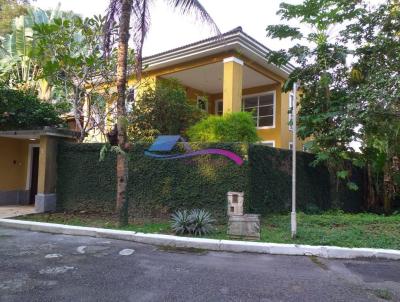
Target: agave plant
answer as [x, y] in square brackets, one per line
[198, 222]
[201, 222]
[181, 222]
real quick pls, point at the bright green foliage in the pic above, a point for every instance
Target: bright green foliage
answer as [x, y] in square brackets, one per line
[198, 222]
[19, 110]
[340, 102]
[234, 127]
[163, 110]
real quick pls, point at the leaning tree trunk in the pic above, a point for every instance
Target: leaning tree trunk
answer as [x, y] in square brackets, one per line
[122, 161]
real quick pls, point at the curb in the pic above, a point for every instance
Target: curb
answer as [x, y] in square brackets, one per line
[206, 244]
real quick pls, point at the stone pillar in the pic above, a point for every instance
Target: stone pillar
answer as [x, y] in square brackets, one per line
[45, 200]
[233, 85]
[235, 203]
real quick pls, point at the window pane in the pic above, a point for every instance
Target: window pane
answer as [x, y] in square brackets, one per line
[266, 110]
[265, 121]
[267, 99]
[251, 102]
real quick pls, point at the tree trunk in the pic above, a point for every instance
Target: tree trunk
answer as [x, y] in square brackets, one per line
[122, 161]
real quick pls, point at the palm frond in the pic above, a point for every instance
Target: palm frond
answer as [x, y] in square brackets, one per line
[140, 28]
[112, 18]
[196, 8]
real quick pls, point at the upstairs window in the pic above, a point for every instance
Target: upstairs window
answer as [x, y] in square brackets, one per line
[262, 107]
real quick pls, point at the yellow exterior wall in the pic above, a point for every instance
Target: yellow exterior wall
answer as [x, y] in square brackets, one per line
[232, 82]
[13, 164]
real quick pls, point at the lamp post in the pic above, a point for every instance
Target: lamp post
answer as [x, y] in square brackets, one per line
[293, 220]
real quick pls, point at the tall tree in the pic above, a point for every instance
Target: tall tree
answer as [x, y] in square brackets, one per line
[121, 12]
[348, 65]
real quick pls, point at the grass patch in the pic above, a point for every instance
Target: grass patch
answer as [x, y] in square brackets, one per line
[383, 294]
[331, 228]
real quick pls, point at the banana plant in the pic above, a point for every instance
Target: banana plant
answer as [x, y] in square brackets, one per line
[17, 65]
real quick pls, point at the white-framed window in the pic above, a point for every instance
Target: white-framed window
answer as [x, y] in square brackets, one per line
[290, 118]
[268, 143]
[202, 103]
[290, 145]
[219, 107]
[263, 108]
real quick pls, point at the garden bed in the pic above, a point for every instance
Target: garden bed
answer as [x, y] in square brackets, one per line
[336, 228]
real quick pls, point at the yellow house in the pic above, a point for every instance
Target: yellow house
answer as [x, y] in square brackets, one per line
[28, 166]
[226, 74]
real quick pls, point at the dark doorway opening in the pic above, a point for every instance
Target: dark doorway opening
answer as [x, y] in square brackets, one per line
[34, 175]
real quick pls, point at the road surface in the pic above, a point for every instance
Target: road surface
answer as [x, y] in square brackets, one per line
[44, 267]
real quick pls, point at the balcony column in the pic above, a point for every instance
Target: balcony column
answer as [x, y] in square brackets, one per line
[233, 85]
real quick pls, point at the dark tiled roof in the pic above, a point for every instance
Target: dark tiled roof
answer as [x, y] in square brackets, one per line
[214, 38]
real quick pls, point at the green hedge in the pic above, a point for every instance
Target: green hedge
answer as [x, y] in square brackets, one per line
[157, 187]
[270, 176]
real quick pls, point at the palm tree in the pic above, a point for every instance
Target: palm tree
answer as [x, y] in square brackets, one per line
[121, 12]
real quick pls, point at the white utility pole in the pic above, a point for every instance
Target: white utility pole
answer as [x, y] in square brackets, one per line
[293, 219]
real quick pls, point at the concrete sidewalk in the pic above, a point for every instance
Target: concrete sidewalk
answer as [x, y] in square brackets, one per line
[14, 211]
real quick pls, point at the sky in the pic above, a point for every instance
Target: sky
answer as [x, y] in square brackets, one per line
[169, 29]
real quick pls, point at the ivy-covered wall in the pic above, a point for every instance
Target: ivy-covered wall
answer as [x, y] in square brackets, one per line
[157, 187]
[270, 176]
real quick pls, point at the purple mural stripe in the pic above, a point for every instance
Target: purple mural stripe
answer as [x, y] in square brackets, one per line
[232, 156]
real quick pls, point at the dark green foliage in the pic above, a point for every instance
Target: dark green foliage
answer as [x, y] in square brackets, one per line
[270, 183]
[159, 187]
[234, 127]
[163, 110]
[19, 110]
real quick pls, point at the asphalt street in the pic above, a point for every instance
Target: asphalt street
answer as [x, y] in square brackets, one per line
[44, 267]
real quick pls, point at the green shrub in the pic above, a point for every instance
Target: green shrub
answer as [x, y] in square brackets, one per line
[163, 110]
[234, 127]
[197, 221]
[19, 110]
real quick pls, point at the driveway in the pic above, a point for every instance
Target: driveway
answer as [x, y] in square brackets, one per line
[13, 211]
[44, 267]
